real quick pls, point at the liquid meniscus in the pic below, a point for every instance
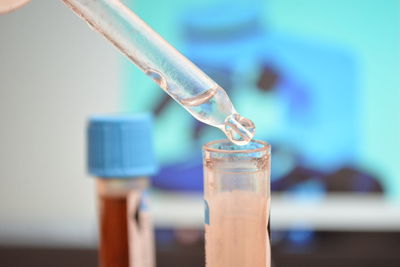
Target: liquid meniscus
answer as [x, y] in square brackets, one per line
[212, 107]
[174, 73]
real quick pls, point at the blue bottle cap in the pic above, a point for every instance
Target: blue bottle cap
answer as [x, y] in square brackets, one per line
[121, 146]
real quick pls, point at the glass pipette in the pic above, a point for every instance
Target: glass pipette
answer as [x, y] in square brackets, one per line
[173, 72]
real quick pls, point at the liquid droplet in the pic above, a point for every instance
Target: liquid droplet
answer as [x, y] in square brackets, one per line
[239, 130]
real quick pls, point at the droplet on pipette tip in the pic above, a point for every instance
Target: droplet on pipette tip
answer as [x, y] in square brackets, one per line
[239, 130]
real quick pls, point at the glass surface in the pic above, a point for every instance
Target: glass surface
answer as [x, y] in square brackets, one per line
[237, 200]
[175, 74]
[126, 230]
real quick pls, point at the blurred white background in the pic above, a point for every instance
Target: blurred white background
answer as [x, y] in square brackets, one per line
[54, 72]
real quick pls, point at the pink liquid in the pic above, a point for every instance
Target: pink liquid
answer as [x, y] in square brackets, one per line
[237, 233]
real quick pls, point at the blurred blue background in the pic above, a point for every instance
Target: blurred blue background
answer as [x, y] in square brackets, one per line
[320, 80]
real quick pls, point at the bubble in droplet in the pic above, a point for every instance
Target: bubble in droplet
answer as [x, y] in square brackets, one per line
[239, 130]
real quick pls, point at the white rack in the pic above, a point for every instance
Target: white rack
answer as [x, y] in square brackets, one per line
[334, 212]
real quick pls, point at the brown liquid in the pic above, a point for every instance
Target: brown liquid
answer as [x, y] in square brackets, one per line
[114, 247]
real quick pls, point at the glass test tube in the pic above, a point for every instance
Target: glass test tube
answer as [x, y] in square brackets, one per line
[121, 156]
[125, 225]
[237, 200]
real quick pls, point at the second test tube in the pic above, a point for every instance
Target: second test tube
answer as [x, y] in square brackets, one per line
[121, 156]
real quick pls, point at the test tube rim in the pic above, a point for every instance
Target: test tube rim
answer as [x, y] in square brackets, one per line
[207, 147]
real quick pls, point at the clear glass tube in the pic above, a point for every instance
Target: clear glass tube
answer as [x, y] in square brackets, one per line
[126, 233]
[237, 200]
[173, 72]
